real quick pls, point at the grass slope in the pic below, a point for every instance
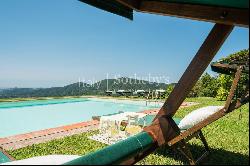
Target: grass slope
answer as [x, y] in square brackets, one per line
[228, 139]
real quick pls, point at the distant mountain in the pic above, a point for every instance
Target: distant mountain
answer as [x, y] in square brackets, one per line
[79, 89]
[128, 84]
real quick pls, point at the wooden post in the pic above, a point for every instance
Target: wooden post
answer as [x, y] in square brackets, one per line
[184, 149]
[233, 88]
[194, 71]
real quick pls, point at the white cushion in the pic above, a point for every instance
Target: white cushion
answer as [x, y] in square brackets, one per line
[44, 160]
[197, 116]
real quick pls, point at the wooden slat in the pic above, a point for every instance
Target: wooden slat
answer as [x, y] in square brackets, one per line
[197, 127]
[233, 88]
[234, 105]
[227, 68]
[215, 116]
[196, 68]
[230, 16]
[239, 102]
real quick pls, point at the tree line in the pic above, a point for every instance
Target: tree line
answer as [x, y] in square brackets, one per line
[219, 86]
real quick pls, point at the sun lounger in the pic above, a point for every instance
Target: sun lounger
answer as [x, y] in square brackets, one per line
[180, 142]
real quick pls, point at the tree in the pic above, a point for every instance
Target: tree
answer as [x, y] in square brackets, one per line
[209, 86]
[170, 88]
[225, 81]
[206, 87]
[195, 92]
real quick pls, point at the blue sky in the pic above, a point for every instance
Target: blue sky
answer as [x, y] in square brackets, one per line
[55, 42]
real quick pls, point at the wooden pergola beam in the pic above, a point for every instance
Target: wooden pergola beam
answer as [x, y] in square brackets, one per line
[230, 16]
[215, 14]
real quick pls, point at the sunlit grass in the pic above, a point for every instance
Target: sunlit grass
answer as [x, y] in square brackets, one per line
[228, 139]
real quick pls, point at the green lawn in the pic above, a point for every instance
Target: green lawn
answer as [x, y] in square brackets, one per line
[228, 139]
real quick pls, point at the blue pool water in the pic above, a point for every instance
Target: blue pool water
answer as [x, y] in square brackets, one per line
[23, 117]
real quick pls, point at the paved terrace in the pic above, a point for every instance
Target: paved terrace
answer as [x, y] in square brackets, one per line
[24, 140]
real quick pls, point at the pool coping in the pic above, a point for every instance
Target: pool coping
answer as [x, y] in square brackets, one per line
[42, 136]
[6, 154]
[23, 140]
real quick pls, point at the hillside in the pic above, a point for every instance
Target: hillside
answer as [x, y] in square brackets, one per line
[79, 89]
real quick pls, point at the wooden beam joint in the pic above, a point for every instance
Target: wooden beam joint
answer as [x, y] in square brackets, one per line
[162, 130]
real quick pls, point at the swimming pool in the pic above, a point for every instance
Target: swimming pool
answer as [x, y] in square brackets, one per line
[24, 117]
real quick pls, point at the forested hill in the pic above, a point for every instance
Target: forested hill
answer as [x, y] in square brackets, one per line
[79, 89]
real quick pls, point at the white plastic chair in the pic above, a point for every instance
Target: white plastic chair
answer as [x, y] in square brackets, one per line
[133, 119]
